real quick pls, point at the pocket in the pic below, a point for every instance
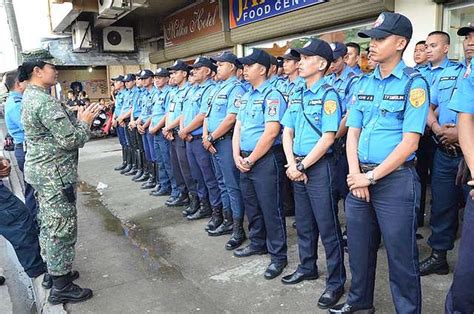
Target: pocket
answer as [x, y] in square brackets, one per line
[314, 113]
[391, 114]
[445, 91]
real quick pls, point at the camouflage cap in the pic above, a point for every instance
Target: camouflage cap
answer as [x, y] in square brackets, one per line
[36, 55]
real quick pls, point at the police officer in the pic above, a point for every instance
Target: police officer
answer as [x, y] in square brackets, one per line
[258, 154]
[53, 137]
[217, 139]
[275, 80]
[419, 55]
[460, 299]
[437, 48]
[385, 124]
[446, 195]
[293, 81]
[166, 181]
[119, 86]
[353, 57]
[15, 129]
[192, 118]
[123, 120]
[179, 161]
[311, 123]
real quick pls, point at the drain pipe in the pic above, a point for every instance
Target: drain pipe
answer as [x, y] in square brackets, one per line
[14, 34]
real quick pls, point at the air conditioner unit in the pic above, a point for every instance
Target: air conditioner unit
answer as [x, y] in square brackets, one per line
[81, 36]
[111, 9]
[118, 38]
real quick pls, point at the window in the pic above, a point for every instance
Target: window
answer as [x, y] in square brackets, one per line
[455, 17]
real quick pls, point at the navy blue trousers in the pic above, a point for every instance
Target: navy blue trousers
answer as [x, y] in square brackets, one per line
[180, 166]
[391, 213]
[262, 192]
[121, 133]
[18, 226]
[165, 176]
[149, 146]
[315, 216]
[460, 298]
[30, 199]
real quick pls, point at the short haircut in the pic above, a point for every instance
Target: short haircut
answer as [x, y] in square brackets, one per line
[421, 42]
[446, 36]
[11, 77]
[354, 45]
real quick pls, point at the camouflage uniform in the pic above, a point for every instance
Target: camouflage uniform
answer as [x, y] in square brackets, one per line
[53, 138]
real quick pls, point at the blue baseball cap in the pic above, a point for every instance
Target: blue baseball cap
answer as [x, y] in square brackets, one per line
[316, 47]
[119, 78]
[226, 56]
[129, 77]
[463, 31]
[144, 74]
[387, 24]
[162, 72]
[338, 49]
[291, 54]
[202, 62]
[179, 65]
[257, 56]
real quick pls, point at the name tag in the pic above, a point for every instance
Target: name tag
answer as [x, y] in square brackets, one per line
[222, 97]
[314, 102]
[394, 97]
[448, 78]
[366, 97]
[258, 102]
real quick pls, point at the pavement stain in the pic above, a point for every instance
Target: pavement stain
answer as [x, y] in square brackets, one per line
[143, 234]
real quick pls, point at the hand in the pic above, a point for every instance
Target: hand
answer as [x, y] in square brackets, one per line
[449, 134]
[88, 114]
[241, 164]
[212, 149]
[362, 193]
[183, 134]
[140, 129]
[436, 128]
[5, 168]
[293, 174]
[132, 124]
[206, 144]
[168, 135]
[122, 123]
[357, 180]
[188, 138]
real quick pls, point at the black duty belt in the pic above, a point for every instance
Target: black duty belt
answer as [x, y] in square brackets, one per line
[300, 158]
[227, 135]
[451, 151]
[274, 148]
[369, 167]
[197, 137]
[175, 130]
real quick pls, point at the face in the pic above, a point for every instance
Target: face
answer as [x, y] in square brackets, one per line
[254, 72]
[201, 74]
[178, 77]
[47, 76]
[352, 57]
[337, 66]
[148, 82]
[225, 70]
[383, 49]
[311, 65]
[436, 48]
[160, 81]
[240, 74]
[273, 70]
[290, 67]
[468, 45]
[419, 56]
[129, 84]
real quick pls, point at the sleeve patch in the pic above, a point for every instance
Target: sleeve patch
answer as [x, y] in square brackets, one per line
[272, 106]
[417, 97]
[330, 107]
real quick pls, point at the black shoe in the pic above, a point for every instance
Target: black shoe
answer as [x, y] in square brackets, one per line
[216, 220]
[298, 277]
[121, 167]
[193, 207]
[274, 270]
[294, 224]
[48, 279]
[329, 298]
[150, 184]
[140, 173]
[238, 235]
[65, 291]
[132, 172]
[345, 308]
[145, 176]
[124, 160]
[226, 227]
[436, 263]
[160, 192]
[204, 211]
[419, 236]
[170, 200]
[2, 280]
[182, 200]
[249, 251]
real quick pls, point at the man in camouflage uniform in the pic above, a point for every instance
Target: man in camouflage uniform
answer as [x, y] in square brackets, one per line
[53, 136]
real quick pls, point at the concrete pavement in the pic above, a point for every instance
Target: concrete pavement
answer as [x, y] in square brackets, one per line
[140, 256]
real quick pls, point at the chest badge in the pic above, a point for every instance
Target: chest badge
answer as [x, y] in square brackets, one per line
[417, 97]
[330, 107]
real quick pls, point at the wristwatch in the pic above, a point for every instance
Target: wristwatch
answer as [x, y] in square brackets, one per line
[370, 176]
[210, 138]
[248, 162]
[300, 167]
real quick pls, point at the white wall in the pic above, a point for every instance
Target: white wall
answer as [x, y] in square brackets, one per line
[424, 17]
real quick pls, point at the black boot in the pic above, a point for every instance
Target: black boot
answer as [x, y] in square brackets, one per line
[124, 160]
[140, 166]
[238, 235]
[182, 200]
[129, 161]
[151, 183]
[145, 174]
[225, 228]
[133, 170]
[436, 263]
[48, 279]
[65, 291]
[193, 206]
[216, 219]
[204, 211]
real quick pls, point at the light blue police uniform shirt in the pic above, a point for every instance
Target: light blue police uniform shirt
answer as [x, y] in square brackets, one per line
[276, 81]
[177, 99]
[148, 99]
[432, 74]
[322, 107]
[288, 87]
[384, 110]
[225, 99]
[357, 70]
[443, 90]
[13, 117]
[463, 98]
[246, 85]
[119, 102]
[135, 98]
[342, 85]
[160, 107]
[257, 107]
[197, 103]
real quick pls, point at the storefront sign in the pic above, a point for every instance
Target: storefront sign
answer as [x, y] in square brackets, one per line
[193, 22]
[242, 12]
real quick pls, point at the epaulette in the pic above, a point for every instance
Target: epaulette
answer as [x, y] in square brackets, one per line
[17, 99]
[411, 72]
[327, 87]
[351, 75]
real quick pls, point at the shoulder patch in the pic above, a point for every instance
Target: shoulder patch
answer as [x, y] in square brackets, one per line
[330, 107]
[417, 97]
[272, 106]
[327, 87]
